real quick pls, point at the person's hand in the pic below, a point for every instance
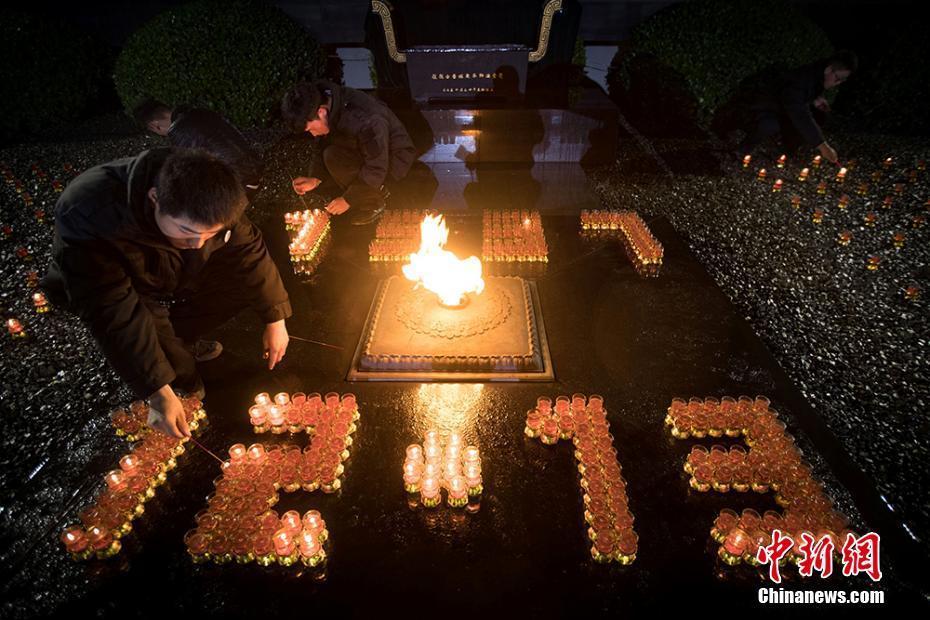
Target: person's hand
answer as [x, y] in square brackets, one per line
[828, 153]
[337, 206]
[166, 413]
[302, 185]
[821, 104]
[275, 341]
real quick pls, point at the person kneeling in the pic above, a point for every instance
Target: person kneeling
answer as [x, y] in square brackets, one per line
[154, 251]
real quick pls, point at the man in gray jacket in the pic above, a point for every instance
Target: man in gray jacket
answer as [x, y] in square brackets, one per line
[365, 147]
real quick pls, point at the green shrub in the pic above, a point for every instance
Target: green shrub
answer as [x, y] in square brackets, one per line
[237, 57]
[695, 54]
[50, 71]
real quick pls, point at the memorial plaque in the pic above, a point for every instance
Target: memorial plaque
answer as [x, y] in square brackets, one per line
[467, 72]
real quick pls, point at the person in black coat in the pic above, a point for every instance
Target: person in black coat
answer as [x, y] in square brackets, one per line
[787, 108]
[366, 147]
[152, 252]
[198, 128]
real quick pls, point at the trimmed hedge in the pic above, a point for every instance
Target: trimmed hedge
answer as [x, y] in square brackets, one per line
[690, 58]
[236, 57]
[50, 70]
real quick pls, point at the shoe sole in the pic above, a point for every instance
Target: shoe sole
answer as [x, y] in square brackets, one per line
[212, 356]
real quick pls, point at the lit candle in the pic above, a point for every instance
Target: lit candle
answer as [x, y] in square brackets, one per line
[822, 187]
[844, 202]
[75, 541]
[816, 161]
[116, 480]
[263, 399]
[898, 239]
[777, 186]
[414, 452]
[283, 546]
[412, 473]
[746, 160]
[451, 469]
[817, 215]
[472, 477]
[795, 202]
[887, 201]
[471, 454]
[314, 523]
[734, 546]
[311, 551]
[844, 237]
[458, 492]
[429, 492]
[237, 452]
[912, 292]
[291, 522]
[761, 174]
[433, 452]
[256, 453]
[803, 174]
[129, 463]
[873, 262]
[102, 541]
[887, 162]
[781, 161]
[841, 175]
[870, 218]
[276, 419]
[281, 399]
[40, 303]
[15, 328]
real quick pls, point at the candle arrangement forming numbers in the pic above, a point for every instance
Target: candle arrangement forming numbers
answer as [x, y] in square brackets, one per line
[239, 523]
[584, 422]
[397, 236]
[513, 236]
[642, 248]
[773, 462]
[309, 232]
[443, 463]
[299, 412]
[127, 489]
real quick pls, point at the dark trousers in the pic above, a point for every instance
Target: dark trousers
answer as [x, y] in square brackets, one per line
[764, 124]
[343, 162]
[190, 315]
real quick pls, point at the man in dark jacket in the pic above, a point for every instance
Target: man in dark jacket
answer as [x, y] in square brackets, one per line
[153, 251]
[198, 128]
[366, 147]
[788, 107]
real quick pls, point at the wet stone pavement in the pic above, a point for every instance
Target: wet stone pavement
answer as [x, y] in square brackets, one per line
[638, 342]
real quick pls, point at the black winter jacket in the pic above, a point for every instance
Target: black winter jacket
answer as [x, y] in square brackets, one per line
[108, 254]
[380, 137]
[793, 94]
[196, 128]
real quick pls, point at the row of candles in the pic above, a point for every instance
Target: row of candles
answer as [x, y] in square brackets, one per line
[443, 463]
[239, 522]
[513, 235]
[132, 422]
[309, 232]
[300, 412]
[400, 224]
[642, 248]
[583, 420]
[397, 236]
[126, 491]
[773, 462]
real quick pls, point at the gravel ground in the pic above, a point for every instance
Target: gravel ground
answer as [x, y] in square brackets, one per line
[846, 335]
